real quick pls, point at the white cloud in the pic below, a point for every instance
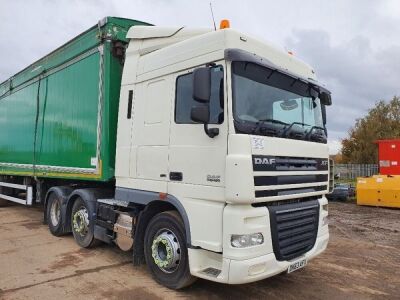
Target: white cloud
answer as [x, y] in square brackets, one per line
[334, 146]
[357, 74]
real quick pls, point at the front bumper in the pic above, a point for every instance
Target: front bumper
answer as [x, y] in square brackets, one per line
[266, 266]
[244, 271]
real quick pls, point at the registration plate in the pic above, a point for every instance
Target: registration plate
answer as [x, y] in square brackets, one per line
[297, 265]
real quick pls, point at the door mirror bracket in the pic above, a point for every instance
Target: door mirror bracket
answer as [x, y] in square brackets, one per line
[211, 132]
[201, 114]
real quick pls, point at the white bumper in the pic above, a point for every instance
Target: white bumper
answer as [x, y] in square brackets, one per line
[266, 266]
[243, 265]
[245, 271]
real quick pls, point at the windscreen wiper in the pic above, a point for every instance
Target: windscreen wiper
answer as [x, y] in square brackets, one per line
[262, 122]
[309, 133]
[287, 130]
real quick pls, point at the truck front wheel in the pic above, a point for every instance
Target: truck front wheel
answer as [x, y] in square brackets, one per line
[166, 252]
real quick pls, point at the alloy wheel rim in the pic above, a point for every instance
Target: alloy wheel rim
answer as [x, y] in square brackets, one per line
[166, 251]
[80, 221]
[55, 212]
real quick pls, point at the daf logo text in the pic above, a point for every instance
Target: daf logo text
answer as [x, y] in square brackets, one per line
[264, 161]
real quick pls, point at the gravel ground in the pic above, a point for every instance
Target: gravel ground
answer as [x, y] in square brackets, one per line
[362, 262]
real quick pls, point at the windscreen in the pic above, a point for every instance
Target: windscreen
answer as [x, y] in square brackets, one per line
[271, 103]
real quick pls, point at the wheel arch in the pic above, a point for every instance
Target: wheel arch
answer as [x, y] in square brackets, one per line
[153, 204]
[182, 212]
[153, 208]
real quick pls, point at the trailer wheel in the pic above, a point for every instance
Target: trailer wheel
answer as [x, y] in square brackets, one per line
[166, 252]
[54, 215]
[82, 224]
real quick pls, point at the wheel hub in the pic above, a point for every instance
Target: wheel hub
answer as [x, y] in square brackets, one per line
[166, 251]
[80, 221]
[55, 212]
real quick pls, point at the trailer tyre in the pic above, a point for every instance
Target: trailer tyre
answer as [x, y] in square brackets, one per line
[54, 215]
[82, 224]
[166, 252]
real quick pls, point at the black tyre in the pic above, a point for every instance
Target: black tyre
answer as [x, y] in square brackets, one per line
[82, 224]
[54, 215]
[166, 252]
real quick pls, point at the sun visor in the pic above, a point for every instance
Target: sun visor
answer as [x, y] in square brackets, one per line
[233, 54]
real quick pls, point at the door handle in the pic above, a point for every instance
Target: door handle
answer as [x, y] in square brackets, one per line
[130, 99]
[176, 176]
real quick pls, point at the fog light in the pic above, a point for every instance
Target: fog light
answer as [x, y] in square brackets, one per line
[246, 240]
[325, 221]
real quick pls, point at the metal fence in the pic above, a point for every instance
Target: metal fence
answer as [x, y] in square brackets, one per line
[352, 171]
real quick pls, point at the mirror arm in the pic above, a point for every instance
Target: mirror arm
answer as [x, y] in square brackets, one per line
[211, 132]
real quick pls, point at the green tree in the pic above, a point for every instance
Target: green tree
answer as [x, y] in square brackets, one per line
[381, 122]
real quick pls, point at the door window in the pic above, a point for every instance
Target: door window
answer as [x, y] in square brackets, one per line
[184, 97]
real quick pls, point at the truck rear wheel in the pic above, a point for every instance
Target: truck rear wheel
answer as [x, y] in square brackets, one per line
[82, 224]
[166, 252]
[54, 214]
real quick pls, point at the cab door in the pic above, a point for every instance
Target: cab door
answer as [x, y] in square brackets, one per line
[194, 157]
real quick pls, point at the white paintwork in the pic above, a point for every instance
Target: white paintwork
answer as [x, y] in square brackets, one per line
[13, 199]
[151, 145]
[14, 185]
[239, 266]
[27, 188]
[150, 136]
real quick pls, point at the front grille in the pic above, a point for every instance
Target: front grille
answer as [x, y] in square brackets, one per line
[294, 228]
[286, 163]
[289, 179]
[277, 164]
[290, 191]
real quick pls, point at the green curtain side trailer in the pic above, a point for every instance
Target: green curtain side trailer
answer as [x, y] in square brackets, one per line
[58, 116]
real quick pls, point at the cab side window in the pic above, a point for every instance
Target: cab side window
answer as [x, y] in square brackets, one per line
[184, 97]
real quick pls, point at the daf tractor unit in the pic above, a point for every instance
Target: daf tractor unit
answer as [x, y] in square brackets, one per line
[203, 152]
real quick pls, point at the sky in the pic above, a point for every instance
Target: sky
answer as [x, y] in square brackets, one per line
[354, 46]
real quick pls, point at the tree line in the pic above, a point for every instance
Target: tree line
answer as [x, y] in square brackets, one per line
[381, 122]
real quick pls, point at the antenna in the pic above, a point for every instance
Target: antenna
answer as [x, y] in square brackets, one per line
[212, 15]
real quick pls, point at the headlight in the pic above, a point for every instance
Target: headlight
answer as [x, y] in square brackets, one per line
[246, 240]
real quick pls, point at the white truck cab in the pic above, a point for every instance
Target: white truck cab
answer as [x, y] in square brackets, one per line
[229, 131]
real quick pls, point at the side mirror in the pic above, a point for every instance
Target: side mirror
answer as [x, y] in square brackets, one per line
[202, 84]
[325, 98]
[200, 114]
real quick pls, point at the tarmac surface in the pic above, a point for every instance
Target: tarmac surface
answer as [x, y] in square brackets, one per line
[362, 262]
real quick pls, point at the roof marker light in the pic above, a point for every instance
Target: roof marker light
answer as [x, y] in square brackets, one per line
[224, 24]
